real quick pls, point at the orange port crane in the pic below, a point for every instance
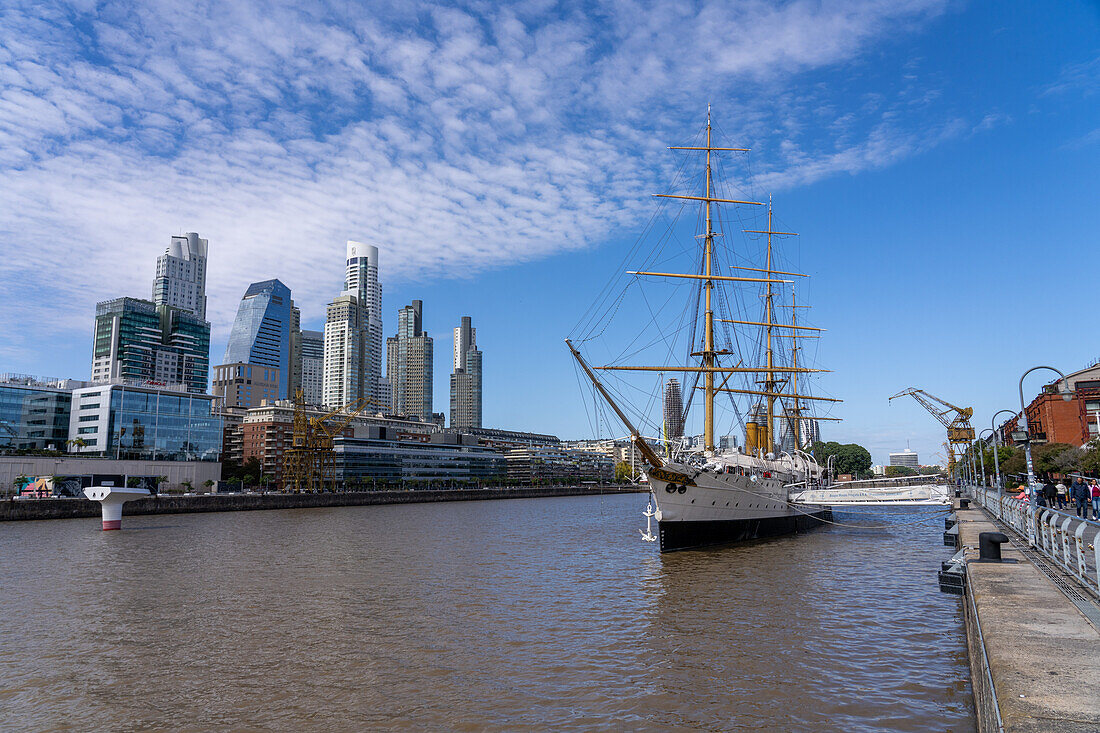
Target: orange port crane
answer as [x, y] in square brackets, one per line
[309, 465]
[960, 435]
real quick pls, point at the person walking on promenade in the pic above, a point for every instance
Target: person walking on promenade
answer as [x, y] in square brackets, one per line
[1095, 490]
[1082, 496]
[1061, 498]
[1045, 495]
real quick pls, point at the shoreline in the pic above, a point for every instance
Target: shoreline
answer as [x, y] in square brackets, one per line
[74, 508]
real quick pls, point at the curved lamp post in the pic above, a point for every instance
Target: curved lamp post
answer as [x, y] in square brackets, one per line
[1067, 395]
[996, 460]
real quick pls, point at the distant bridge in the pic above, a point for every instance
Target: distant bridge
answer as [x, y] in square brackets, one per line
[899, 491]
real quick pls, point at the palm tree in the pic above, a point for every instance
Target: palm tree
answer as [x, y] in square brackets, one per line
[208, 483]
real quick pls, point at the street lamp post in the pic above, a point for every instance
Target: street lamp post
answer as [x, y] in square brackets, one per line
[1067, 395]
[996, 459]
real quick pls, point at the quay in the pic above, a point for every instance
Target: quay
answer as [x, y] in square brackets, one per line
[1032, 628]
[64, 508]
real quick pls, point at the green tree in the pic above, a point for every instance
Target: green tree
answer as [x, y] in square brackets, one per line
[1047, 457]
[892, 471]
[622, 472]
[208, 483]
[133, 482]
[1013, 462]
[1090, 462]
[187, 485]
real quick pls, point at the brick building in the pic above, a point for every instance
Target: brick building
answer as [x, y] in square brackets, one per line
[1052, 419]
[267, 431]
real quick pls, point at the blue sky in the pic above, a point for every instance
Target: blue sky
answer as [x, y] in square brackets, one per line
[938, 158]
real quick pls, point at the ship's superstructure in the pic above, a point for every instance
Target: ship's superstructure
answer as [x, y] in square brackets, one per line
[706, 497]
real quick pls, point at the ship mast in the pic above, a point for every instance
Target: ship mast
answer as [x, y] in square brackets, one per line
[708, 324]
[769, 383]
[709, 354]
[797, 410]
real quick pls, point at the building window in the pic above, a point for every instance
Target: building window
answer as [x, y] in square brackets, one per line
[88, 418]
[89, 406]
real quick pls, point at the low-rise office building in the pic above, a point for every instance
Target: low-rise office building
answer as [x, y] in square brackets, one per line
[141, 422]
[535, 465]
[379, 456]
[34, 412]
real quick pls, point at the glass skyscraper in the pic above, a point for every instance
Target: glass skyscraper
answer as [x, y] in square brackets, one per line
[139, 342]
[261, 331]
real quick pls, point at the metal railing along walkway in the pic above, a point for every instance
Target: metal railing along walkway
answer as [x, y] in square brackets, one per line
[1071, 543]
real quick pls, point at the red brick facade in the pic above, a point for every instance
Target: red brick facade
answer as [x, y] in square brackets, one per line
[1052, 419]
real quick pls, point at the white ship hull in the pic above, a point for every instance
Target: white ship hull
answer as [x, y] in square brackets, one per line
[696, 508]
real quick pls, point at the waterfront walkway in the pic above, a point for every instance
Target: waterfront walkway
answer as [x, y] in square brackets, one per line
[1033, 634]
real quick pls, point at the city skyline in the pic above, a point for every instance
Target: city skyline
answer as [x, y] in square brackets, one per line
[877, 145]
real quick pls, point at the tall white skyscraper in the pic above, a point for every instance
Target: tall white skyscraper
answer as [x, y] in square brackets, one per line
[353, 333]
[466, 378]
[181, 275]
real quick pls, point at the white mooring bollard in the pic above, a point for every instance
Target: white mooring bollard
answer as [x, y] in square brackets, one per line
[111, 499]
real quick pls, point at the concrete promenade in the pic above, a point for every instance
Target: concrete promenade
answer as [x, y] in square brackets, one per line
[1034, 656]
[175, 504]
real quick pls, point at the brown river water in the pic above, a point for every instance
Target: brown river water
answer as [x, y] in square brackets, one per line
[519, 615]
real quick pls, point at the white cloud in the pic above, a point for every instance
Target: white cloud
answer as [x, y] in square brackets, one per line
[473, 134]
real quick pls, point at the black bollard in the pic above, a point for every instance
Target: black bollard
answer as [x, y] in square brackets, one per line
[989, 545]
[964, 503]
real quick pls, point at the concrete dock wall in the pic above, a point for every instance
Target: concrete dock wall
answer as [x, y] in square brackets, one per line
[166, 504]
[1034, 656]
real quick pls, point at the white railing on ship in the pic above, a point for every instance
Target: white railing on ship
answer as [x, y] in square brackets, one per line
[1071, 542]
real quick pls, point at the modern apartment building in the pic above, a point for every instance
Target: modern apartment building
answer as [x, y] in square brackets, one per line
[139, 341]
[466, 378]
[410, 364]
[181, 275]
[244, 385]
[312, 361]
[353, 332]
[261, 334]
[906, 458]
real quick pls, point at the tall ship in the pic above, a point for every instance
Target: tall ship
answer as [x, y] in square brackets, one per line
[725, 326]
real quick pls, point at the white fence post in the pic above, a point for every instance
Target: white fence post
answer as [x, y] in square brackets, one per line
[1065, 543]
[1079, 537]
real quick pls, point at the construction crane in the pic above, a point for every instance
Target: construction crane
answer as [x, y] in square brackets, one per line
[960, 435]
[309, 465]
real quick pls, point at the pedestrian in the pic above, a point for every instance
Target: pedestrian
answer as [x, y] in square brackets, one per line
[1046, 494]
[1062, 490]
[1095, 490]
[1081, 496]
